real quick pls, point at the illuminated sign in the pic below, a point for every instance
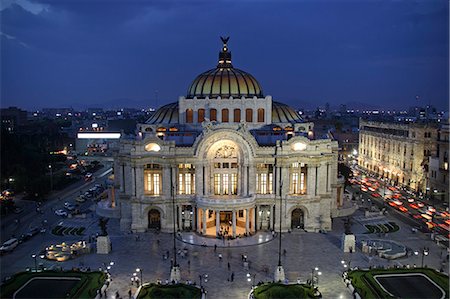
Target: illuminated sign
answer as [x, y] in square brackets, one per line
[98, 135]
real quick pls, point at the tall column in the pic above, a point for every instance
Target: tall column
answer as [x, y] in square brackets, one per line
[204, 221]
[180, 217]
[217, 222]
[139, 181]
[247, 220]
[311, 179]
[271, 217]
[234, 223]
[251, 179]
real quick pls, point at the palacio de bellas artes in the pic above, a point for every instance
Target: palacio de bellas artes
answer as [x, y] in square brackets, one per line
[222, 158]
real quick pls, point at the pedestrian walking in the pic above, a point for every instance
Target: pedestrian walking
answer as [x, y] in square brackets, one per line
[104, 292]
[232, 276]
[229, 266]
[129, 294]
[117, 295]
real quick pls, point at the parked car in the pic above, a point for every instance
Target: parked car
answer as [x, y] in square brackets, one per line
[88, 176]
[69, 206]
[32, 232]
[81, 198]
[61, 212]
[9, 245]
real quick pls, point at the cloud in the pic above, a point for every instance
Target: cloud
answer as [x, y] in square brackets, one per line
[32, 7]
[13, 38]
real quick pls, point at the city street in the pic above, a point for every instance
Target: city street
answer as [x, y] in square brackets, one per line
[304, 251]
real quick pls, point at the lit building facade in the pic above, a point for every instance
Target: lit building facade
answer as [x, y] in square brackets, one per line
[219, 160]
[439, 171]
[398, 152]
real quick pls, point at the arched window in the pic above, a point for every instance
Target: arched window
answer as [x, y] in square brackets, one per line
[249, 115]
[224, 115]
[260, 115]
[225, 169]
[201, 115]
[189, 116]
[213, 114]
[237, 115]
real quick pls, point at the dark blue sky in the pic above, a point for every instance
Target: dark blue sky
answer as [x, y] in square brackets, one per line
[305, 53]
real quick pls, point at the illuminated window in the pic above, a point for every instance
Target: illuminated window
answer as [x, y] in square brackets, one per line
[224, 115]
[260, 115]
[249, 115]
[213, 114]
[186, 179]
[233, 183]
[237, 115]
[225, 184]
[264, 179]
[217, 189]
[152, 181]
[189, 116]
[201, 115]
[225, 170]
[298, 173]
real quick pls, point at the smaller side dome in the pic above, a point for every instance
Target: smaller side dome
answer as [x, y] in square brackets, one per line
[167, 114]
[282, 113]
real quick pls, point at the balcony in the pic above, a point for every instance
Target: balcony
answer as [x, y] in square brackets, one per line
[225, 202]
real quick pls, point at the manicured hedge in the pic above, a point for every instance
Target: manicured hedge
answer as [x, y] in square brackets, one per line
[156, 291]
[367, 287]
[280, 291]
[86, 288]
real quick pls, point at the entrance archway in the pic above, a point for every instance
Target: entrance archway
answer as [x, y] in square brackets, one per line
[297, 219]
[154, 219]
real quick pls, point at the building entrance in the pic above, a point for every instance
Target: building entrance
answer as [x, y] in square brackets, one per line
[297, 219]
[154, 219]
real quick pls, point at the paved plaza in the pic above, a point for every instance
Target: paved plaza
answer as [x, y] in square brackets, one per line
[304, 251]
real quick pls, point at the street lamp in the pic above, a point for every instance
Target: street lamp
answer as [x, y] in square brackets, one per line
[346, 264]
[318, 274]
[425, 251]
[312, 274]
[140, 271]
[51, 177]
[34, 256]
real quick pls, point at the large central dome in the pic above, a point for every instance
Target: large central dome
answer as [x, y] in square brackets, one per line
[225, 80]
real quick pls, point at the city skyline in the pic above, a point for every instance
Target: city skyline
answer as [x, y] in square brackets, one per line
[388, 55]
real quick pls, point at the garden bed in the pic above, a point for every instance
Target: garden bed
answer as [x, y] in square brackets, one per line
[377, 283]
[157, 291]
[280, 291]
[53, 284]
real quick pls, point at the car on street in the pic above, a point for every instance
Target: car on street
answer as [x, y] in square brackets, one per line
[61, 212]
[376, 195]
[420, 205]
[410, 199]
[403, 209]
[69, 206]
[9, 245]
[81, 198]
[32, 232]
[88, 176]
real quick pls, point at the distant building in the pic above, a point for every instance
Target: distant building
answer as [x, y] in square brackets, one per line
[12, 118]
[398, 152]
[439, 172]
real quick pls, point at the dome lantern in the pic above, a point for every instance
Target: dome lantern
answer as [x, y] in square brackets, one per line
[224, 81]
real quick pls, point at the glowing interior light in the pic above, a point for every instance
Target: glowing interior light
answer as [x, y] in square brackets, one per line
[299, 146]
[152, 147]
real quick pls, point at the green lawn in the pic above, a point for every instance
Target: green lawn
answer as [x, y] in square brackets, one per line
[155, 291]
[282, 291]
[367, 287]
[86, 287]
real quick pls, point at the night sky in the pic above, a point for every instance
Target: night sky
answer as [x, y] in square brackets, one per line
[116, 54]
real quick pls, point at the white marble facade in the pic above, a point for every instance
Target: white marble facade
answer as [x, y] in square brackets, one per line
[226, 176]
